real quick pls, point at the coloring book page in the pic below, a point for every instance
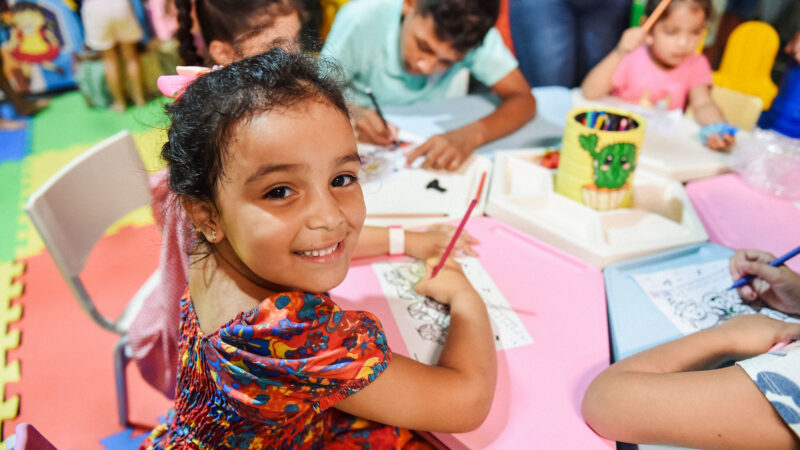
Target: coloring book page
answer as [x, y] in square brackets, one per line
[697, 297]
[380, 163]
[423, 322]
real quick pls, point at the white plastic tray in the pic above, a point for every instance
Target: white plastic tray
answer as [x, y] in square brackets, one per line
[522, 196]
[402, 197]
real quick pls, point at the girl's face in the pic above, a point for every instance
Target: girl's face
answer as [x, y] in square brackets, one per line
[677, 36]
[264, 33]
[269, 32]
[290, 206]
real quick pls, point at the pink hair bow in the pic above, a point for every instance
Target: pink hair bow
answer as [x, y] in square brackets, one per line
[173, 86]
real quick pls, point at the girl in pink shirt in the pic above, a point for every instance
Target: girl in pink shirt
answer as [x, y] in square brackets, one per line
[662, 68]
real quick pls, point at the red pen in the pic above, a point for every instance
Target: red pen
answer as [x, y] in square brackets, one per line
[460, 228]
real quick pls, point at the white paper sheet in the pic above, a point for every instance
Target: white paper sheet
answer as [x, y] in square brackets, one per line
[425, 126]
[424, 322]
[696, 297]
[379, 164]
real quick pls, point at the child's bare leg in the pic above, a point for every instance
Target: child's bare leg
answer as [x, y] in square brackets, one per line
[130, 55]
[113, 79]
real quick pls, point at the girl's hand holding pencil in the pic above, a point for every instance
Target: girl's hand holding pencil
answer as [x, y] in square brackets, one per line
[778, 287]
[631, 39]
[448, 285]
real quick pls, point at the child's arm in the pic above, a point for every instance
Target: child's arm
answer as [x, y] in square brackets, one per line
[456, 394]
[447, 151]
[374, 241]
[663, 396]
[706, 112]
[597, 83]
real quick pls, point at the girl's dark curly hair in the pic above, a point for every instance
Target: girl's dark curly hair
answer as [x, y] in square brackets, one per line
[704, 5]
[207, 114]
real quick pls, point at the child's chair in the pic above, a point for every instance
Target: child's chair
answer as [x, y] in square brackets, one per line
[748, 59]
[74, 209]
[739, 109]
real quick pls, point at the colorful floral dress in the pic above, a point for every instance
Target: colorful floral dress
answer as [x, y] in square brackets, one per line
[269, 377]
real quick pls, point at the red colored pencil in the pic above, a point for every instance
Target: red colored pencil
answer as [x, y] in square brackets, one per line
[460, 228]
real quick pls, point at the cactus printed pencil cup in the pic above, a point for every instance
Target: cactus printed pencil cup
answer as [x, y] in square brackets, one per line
[598, 157]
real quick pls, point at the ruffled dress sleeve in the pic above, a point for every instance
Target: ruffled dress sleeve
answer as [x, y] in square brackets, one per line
[296, 354]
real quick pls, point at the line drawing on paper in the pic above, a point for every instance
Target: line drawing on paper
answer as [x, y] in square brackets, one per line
[696, 297]
[424, 322]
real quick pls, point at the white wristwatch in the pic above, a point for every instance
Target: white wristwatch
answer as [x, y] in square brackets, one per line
[397, 240]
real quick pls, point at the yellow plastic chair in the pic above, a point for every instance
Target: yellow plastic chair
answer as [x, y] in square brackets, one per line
[742, 110]
[329, 10]
[748, 59]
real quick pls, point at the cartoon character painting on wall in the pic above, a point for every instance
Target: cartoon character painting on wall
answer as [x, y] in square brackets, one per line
[612, 166]
[42, 37]
[33, 39]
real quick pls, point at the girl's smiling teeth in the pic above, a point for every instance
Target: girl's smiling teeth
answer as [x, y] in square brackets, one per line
[320, 252]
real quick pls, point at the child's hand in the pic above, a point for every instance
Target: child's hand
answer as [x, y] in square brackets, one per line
[778, 287]
[720, 142]
[753, 334]
[369, 127]
[448, 284]
[433, 242]
[632, 39]
[718, 136]
[444, 151]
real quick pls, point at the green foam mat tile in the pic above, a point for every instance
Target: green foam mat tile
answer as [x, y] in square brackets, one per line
[69, 121]
[10, 187]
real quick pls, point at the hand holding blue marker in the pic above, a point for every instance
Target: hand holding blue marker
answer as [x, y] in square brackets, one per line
[779, 261]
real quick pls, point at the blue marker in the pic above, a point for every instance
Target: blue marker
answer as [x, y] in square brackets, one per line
[590, 117]
[748, 278]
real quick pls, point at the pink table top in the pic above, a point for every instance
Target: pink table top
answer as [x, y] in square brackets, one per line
[561, 302]
[737, 216]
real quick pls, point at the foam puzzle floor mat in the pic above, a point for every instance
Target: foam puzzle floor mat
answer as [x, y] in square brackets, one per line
[56, 366]
[66, 360]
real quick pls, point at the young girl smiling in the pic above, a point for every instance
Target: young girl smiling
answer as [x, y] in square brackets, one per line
[263, 157]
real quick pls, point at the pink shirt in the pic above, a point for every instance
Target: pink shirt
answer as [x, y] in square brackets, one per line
[639, 80]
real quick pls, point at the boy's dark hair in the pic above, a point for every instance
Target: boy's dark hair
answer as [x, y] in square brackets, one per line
[463, 23]
[223, 20]
[205, 116]
[705, 5]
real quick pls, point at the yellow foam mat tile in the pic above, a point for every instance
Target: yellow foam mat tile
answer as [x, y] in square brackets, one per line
[37, 169]
[149, 145]
[9, 339]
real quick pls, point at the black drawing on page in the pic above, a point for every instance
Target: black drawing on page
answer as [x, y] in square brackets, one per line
[434, 316]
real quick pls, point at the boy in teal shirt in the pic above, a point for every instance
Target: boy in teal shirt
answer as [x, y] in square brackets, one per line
[408, 51]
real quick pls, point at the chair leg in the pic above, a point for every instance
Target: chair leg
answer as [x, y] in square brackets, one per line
[120, 362]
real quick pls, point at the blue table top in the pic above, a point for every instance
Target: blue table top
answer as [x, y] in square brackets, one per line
[635, 322]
